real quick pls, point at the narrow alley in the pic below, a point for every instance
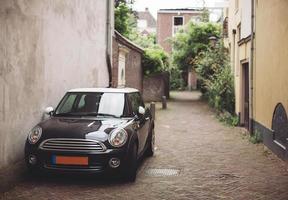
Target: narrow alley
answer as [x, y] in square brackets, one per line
[196, 157]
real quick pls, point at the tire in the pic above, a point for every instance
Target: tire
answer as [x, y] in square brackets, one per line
[151, 147]
[131, 168]
[32, 170]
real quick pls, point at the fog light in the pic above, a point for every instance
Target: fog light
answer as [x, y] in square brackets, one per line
[32, 159]
[114, 162]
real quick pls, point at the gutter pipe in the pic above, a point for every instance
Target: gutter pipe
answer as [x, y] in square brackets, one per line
[251, 128]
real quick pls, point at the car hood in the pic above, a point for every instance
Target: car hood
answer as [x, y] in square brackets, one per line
[80, 128]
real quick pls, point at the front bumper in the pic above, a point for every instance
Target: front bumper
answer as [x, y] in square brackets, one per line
[97, 162]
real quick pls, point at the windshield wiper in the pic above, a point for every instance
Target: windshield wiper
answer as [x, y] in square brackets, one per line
[106, 114]
[95, 114]
[66, 114]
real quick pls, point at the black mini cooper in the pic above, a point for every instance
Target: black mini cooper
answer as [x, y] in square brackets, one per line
[93, 130]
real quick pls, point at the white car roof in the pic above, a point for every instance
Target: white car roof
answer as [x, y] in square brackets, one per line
[103, 90]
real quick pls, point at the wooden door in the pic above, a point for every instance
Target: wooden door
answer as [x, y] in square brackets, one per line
[246, 94]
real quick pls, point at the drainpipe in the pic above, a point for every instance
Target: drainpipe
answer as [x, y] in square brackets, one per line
[251, 128]
[108, 41]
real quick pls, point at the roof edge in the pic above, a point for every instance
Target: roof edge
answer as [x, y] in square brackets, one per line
[128, 42]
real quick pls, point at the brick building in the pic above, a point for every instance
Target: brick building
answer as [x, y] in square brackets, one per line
[169, 21]
[127, 63]
[146, 23]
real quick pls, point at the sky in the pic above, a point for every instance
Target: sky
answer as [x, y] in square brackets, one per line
[155, 5]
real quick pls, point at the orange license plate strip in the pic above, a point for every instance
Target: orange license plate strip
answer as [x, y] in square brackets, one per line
[69, 160]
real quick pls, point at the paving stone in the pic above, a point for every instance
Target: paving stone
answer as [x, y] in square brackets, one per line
[215, 162]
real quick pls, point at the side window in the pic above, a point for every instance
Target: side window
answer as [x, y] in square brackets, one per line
[67, 104]
[81, 103]
[136, 101]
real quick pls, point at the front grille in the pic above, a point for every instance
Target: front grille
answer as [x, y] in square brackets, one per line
[75, 168]
[74, 145]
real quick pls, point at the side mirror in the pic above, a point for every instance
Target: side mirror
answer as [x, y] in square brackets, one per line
[49, 110]
[141, 110]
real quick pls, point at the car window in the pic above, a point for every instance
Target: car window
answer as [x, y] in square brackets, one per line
[136, 101]
[93, 104]
[81, 102]
[88, 102]
[67, 104]
[112, 104]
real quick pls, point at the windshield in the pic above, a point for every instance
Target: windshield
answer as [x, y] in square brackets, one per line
[92, 104]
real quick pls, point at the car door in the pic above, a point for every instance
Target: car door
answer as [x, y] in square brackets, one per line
[142, 120]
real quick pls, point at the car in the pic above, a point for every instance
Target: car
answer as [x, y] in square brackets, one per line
[93, 130]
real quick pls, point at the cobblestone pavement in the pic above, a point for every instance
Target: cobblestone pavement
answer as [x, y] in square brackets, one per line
[214, 162]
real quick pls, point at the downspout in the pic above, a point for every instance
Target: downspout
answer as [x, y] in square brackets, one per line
[108, 40]
[251, 128]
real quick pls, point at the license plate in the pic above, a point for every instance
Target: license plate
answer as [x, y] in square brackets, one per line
[69, 160]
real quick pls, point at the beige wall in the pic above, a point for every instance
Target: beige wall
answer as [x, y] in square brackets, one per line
[271, 80]
[239, 16]
[46, 48]
[242, 57]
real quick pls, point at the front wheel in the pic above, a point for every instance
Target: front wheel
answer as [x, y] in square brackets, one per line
[131, 168]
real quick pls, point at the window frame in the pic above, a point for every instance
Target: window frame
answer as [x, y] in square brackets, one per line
[173, 26]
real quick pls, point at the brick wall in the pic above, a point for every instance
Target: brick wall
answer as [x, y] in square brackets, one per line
[134, 72]
[133, 65]
[165, 25]
[156, 86]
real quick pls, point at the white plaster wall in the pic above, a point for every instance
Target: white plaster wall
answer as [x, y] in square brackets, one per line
[46, 48]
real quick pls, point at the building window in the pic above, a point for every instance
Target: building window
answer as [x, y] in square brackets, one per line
[239, 32]
[178, 23]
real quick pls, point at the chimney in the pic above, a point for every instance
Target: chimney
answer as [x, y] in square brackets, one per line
[146, 9]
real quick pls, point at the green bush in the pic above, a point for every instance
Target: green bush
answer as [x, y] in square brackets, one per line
[228, 118]
[124, 19]
[176, 80]
[192, 40]
[216, 81]
[144, 41]
[220, 91]
[155, 60]
[255, 138]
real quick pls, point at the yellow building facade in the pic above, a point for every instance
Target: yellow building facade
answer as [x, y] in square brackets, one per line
[239, 34]
[260, 65]
[270, 77]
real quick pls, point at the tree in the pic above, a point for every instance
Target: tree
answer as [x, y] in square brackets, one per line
[117, 2]
[189, 42]
[123, 19]
[205, 15]
[216, 80]
[154, 59]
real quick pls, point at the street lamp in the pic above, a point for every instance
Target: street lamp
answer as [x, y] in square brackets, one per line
[213, 41]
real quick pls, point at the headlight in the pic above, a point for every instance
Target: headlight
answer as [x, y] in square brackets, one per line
[118, 137]
[35, 135]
